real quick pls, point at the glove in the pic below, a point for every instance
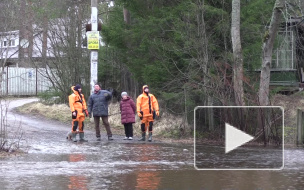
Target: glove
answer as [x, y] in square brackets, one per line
[139, 114]
[87, 113]
[107, 96]
[157, 113]
[74, 113]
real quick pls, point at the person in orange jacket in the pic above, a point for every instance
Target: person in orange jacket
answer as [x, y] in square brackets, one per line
[147, 106]
[78, 107]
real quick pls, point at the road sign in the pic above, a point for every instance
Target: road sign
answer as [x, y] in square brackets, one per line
[93, 39]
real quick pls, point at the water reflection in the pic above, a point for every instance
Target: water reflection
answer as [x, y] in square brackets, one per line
[139, 166]
[244, 157]
[148, 180]
[148, 176]
[77, 182]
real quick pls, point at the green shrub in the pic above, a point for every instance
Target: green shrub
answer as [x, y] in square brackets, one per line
[50, 97]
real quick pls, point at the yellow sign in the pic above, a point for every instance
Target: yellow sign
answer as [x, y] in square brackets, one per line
[93, 39]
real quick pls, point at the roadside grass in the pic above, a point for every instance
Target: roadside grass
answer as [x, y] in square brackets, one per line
[60, 112]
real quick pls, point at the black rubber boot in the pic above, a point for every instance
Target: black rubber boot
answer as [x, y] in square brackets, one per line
[74, 133]
[82, 139]
[143, 137]
[150, 137]
[143, 130]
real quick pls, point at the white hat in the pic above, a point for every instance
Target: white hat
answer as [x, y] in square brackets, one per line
[124, 94]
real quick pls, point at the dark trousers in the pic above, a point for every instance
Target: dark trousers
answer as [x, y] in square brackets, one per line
[105, 123]
[128, 129]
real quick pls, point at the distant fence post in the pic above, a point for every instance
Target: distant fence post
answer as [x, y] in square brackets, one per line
[21, 81]
[6, 80]
[36, 81]
[300, 125]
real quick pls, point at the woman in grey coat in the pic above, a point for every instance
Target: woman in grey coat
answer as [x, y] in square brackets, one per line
[98, 104]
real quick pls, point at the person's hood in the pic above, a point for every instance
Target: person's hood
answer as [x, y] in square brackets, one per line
[144, 88]
[75, 92]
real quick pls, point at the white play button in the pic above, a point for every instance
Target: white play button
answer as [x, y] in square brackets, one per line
[235, 138]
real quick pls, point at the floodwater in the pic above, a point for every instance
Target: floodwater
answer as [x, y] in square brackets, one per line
[252, 157]
[52, 162]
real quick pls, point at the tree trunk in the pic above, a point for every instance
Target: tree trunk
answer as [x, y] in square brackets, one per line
[268, 42]
[22, 30]
[44, 39]
[127, 17]
[237, 54]
[269, 38]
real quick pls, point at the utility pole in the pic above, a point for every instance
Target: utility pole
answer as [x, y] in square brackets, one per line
[94, 51]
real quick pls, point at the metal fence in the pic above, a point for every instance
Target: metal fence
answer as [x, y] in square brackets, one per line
[18, 81]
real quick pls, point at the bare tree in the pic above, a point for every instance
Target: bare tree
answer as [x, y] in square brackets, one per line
[268, 42]
[237, 54]
[127, 17]
[60, 45]
[9, 137]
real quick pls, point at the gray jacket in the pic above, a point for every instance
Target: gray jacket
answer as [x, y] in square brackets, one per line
[98, 103]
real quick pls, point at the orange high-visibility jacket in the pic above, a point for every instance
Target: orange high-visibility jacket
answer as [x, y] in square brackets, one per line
[145, 105]
[75, 102]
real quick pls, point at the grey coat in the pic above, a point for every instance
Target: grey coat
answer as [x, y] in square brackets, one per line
[98, 103]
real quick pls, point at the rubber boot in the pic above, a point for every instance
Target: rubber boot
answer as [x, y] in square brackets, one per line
[82, 139]
[143, 137]
[74, 137]
[150, 137]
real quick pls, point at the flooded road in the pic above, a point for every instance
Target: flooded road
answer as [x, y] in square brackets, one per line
[52, 162]
[250, 157]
